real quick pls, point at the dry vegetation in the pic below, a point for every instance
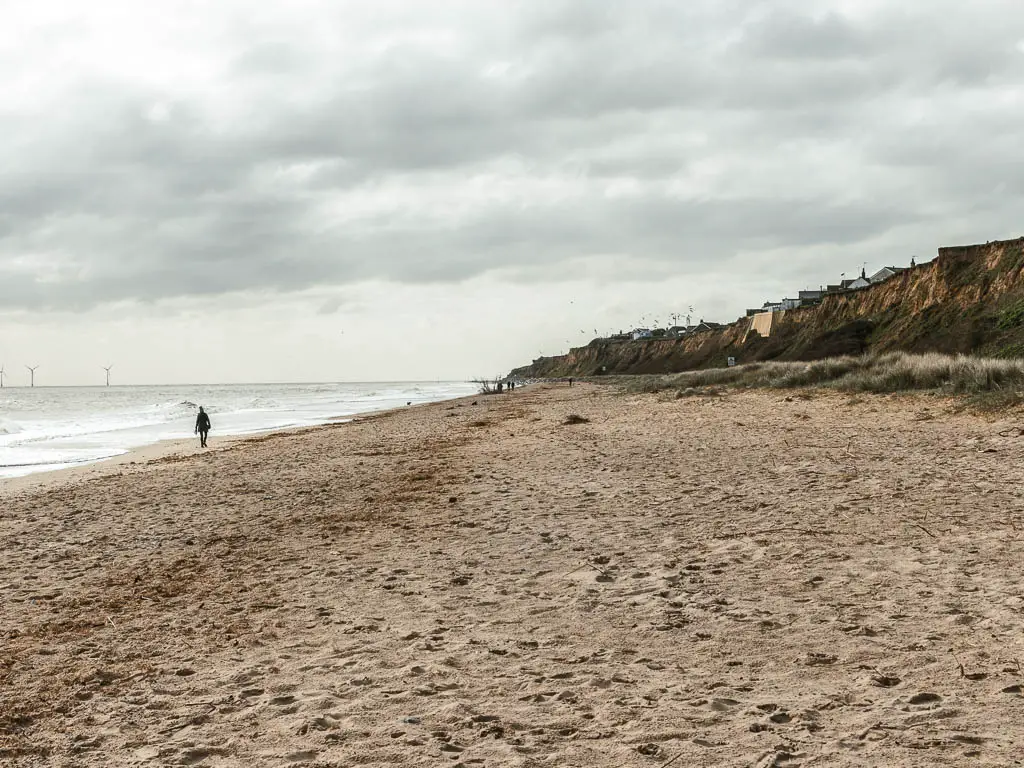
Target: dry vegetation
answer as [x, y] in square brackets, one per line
[987, 382]
[575, 418]
[492, 386]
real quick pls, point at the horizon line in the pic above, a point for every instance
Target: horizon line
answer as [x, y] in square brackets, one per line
[242, 383]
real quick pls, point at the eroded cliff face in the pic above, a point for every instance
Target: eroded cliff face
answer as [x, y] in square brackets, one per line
[968, 300]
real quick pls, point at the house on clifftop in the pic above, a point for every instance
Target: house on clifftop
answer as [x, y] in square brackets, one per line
[810, 297]
[885, 273]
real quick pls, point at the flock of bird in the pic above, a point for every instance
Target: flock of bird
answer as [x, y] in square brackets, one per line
[675, 317]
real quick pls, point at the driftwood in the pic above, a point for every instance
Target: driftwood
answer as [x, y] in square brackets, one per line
[918, 525]
[784, 529]
[588, 564]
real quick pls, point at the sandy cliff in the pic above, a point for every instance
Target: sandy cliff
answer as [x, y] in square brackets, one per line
[970, 299]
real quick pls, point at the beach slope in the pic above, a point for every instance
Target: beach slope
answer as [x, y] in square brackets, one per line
[758, 579]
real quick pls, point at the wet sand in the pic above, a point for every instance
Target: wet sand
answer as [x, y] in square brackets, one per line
[750, 580]
[126, 462]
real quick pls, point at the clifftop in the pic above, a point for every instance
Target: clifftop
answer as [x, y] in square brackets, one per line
[969, 300]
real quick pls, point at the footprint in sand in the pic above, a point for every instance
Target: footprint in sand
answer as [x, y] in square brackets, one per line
[194, 755]
[304, 756]
[323, 723]
[723, 705]
[815, 659]
[885, 681]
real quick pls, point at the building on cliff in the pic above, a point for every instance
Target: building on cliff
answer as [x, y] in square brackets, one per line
[856, 283]
[968, 300]
[810, 298]
[886, 272]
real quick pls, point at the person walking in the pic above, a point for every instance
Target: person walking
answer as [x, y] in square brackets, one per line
[202, 426]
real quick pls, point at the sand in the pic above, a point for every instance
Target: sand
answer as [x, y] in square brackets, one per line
[748, 580]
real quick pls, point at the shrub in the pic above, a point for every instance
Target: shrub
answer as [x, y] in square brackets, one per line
[1011, 317]
[880, 373]
[489, 386]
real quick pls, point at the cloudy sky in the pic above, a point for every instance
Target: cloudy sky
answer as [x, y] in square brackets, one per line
[225, 190]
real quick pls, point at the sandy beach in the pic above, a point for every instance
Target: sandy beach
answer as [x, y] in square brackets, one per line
[760, 579]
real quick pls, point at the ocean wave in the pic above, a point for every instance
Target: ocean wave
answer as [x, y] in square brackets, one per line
[264, 403]
[58, 461]
[75, 426]
[168, 410]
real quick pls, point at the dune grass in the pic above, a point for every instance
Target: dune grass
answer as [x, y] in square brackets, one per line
[988, 382]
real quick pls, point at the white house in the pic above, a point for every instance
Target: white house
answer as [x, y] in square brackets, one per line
[858, 282]
[641, 333]
[885, 273]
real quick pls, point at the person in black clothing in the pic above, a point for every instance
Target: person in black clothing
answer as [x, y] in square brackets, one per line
[202, 426]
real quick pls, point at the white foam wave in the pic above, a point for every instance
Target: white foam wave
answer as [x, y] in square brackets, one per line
[46, 429]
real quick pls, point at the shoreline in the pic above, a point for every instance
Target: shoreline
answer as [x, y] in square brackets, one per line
[135, 459]
[748, 579]
[44, 480]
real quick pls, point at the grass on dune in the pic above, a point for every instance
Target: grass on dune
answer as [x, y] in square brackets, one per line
[986, 381]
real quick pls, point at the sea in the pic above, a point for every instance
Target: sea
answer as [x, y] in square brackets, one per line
[48, 428]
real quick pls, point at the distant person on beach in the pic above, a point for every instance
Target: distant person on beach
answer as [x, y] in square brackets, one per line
[202, 426]
[570, 382]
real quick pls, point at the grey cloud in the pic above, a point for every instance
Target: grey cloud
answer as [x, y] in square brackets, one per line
[274, 59]
[137, 206]
[789, 35]
[330, 306]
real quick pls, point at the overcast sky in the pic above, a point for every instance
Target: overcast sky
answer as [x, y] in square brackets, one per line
[328, 190]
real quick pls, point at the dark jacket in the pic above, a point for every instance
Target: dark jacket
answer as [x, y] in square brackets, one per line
[202, 422]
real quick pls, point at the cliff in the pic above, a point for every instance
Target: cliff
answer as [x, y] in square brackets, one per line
[970, 300]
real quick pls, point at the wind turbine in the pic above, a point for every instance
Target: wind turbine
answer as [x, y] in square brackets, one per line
[107, 369]
[32, 372]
